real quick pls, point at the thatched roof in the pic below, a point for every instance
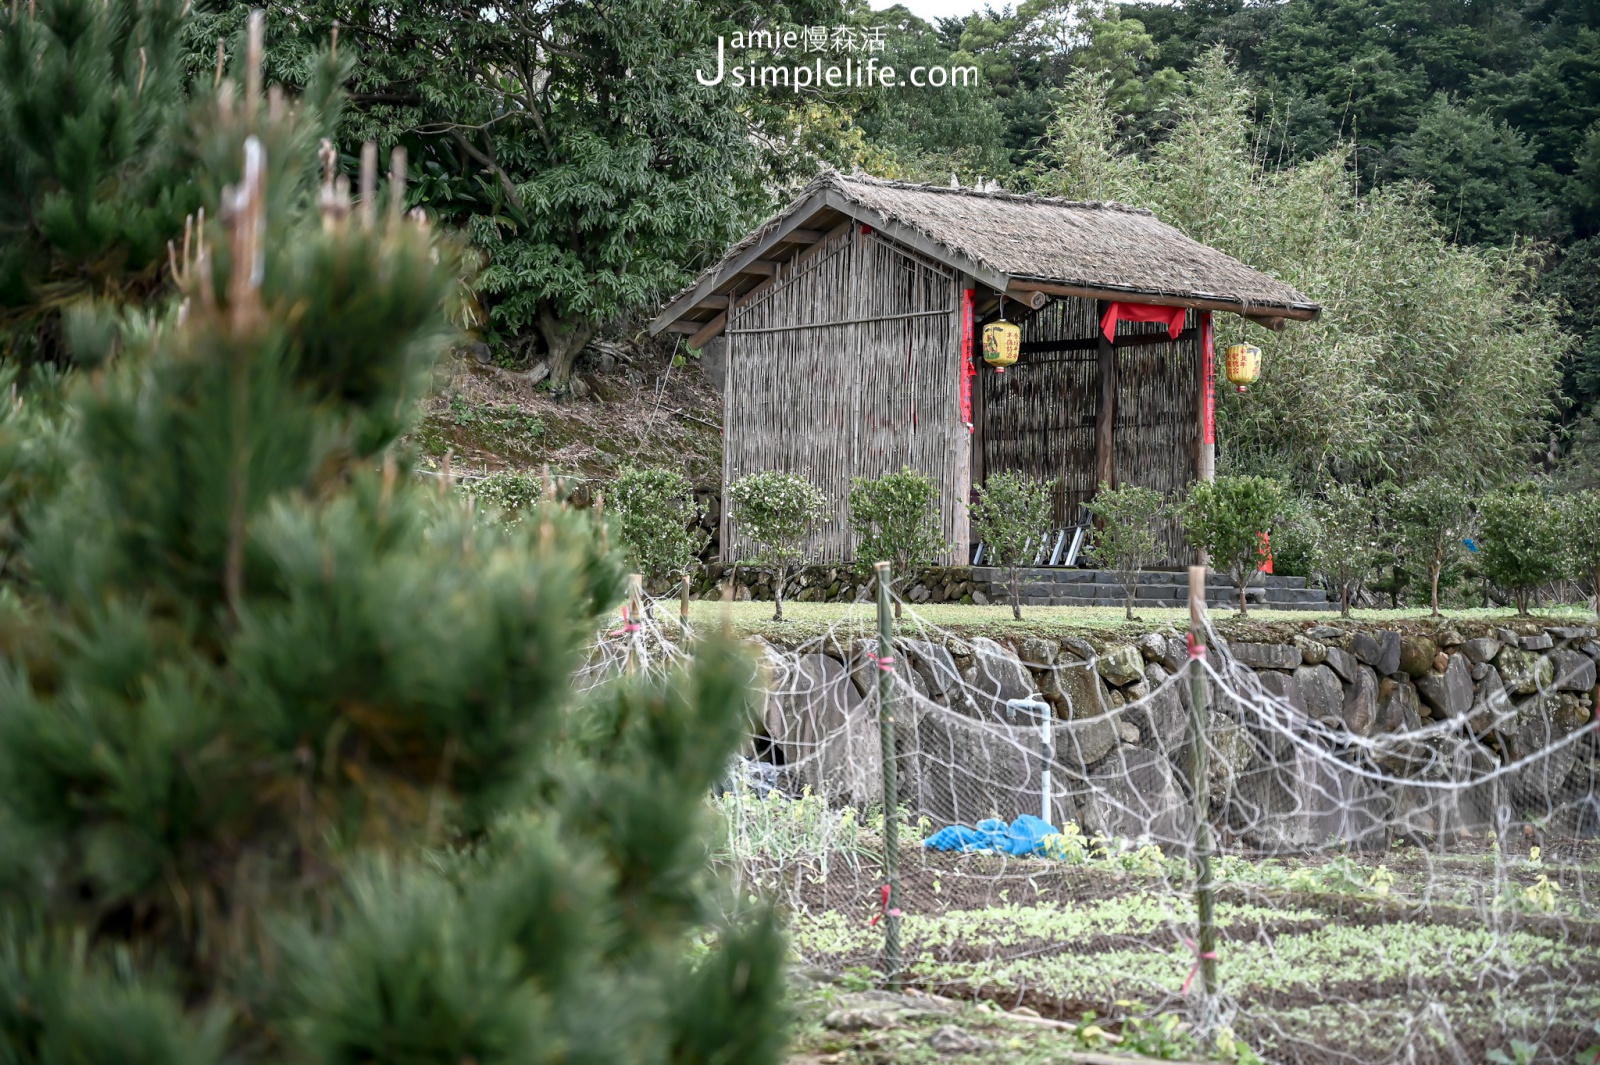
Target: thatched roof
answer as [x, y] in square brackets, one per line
[1005, 240]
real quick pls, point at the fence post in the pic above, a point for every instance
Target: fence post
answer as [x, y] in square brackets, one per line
[891, 789]
[683, 606]
[1205, 894]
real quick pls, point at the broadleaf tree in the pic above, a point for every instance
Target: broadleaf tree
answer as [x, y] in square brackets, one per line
[1523, 542]
[1431, 518]
[572, 141]
[779, 511]
[1231, 519]
[1011, 518]
[896, 520]
[655, 518]
[1124, 540]
[1342, 525]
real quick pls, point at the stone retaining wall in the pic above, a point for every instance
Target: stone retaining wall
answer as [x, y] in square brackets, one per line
[1437, 706]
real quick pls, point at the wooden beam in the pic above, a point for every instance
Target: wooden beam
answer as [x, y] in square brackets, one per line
[719, 276]
[761, 266]
[684, 325]
[1032, 299]
[715, 302]
[1105, 456]
[1265, 321]
[1299, 312]
[1136, 340]
[804, 236]
[710, 330]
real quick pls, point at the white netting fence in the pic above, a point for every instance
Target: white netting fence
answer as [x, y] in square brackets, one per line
[1394, 880]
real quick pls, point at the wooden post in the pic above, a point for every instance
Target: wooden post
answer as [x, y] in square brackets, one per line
[1206, 456]
[1205, 895]
[891, 790]
[1105, 458]
[683, 605]
[630, 625]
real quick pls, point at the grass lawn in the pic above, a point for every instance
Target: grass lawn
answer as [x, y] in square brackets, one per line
[807, 620]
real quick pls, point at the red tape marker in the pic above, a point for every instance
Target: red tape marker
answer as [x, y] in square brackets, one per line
[1209, 955]
[1196, 648]
[884, 910]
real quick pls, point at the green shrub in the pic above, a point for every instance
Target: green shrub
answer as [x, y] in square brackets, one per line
[1582, 523]
[1227, 517]
[656, 520]
[510, 492]
[778, 511]
[1524, 544]
[1126, 542]
[1342, 529]
[896, 520]
[1431, 517]
[1012, 516]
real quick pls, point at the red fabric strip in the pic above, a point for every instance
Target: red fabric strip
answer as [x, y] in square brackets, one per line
[1142, 312]
[1208, 378]
[967, 372]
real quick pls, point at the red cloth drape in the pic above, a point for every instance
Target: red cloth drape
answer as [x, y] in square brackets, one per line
[1208, 380]
[1142, 312]
[967, 372]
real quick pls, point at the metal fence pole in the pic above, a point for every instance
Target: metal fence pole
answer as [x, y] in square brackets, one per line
[891, 790]
[1205, 894]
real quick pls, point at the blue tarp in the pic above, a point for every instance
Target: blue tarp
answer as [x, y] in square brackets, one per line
[1020, 837]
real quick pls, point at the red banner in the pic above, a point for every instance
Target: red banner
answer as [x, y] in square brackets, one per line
[1208, 380]
[1171, 317]
[967, 371]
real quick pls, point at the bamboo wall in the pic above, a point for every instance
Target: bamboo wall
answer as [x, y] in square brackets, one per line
[844, 365]
[1040, 416]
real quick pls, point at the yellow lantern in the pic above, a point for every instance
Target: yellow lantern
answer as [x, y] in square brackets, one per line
[1244, 365]
[1002, 343]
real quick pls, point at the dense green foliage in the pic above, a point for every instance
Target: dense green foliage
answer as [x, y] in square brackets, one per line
[1524, 542]
[1582, 524]
[570, 141]
[1229, 519]
[655, 519]
[92, 161]
[1011, 517]
[1431, 518]
[896, 520]
[291, 766]
[1125, 539]
[1341, 526]
[778, 511]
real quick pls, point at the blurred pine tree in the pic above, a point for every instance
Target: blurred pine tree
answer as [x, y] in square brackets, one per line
[291, 764]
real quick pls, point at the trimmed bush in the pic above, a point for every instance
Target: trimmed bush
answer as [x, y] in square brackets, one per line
[1227, 517]
[896, 520]
[778, 511]
[1431, 516]
[1524, 544]
[1011, 516]
[1126, 542]
[656, 520]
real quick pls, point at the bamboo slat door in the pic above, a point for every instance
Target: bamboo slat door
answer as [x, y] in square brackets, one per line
[1040, 416]
[847, 367]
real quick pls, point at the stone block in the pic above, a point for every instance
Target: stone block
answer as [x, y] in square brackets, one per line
[1416, 655]
[1360, 710]
[1571, 632]
[1120, 664]
[827, 734]
[1321, 691]
[1037, 651]
[933, 663]
[1450, 692]
[1539, 641]
[1380, 650]
[1399, 708]
[1343, 663]
[1325, 632]
[1153, 646]
[1539, 739]
[998, 675]
[1481, 649]
[1081, 742]
[1267, 655]
[1304, 800]
[968, 769]
[1523, 671]
[1312, 652]
[1159, 716]
[1132, 795]
[1574, 672]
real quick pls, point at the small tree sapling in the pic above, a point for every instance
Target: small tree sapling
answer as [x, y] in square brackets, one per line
[1524, 544]
[1012, 516]
[778, 511]
[1431, 517]
[1126, 540]
[896, 520]
[1228, 517]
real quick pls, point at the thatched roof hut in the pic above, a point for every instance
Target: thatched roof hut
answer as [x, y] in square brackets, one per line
[852, 321]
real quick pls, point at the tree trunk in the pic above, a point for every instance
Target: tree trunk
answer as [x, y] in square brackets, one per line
[1016, 592]
[1344, 599]
[1244, 611]
[1433, 581]
[563, 341]
[777, 595]
[1520, 597]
